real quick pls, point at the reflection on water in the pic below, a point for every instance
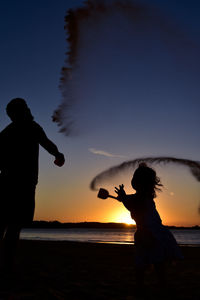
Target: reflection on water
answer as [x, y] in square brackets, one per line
[116, 236]
[80, 235]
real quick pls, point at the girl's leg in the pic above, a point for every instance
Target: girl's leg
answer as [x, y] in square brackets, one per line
[140, 271]
[160, 269]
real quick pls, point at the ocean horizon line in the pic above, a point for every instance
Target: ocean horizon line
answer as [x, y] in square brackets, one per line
[86, 224]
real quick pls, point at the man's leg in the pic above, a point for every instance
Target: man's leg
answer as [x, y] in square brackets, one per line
[2, 233]
[10, 244]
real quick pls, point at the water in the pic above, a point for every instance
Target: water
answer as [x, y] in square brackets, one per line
[116, 236]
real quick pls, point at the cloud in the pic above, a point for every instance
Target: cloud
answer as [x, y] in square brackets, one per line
[104, 153]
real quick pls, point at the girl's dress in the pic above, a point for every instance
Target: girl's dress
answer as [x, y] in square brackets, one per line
[154, 242]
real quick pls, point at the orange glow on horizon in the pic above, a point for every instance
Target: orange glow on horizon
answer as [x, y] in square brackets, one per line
[177, 203]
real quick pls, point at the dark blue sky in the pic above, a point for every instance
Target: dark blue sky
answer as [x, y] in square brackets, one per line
[134, 99]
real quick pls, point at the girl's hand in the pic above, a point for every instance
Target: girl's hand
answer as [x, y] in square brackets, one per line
[120, 193]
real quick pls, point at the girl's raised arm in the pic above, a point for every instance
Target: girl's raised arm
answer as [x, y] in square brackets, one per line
[121, 194]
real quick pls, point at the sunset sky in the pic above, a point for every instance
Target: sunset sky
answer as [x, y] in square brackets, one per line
[136, 93]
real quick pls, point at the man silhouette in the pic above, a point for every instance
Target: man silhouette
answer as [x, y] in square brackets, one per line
[19, 153]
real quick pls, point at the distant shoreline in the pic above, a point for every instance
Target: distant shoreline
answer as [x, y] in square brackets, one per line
[110, 225]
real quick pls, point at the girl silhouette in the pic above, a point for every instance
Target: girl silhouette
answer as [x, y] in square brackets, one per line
[154, 242]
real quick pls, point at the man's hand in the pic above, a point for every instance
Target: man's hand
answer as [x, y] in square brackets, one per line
[60, 160]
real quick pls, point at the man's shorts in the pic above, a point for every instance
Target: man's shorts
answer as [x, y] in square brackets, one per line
[17, 203]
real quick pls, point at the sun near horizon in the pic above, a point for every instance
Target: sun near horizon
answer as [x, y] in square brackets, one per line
[122, 217]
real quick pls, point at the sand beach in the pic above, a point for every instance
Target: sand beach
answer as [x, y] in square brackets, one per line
[76, 271]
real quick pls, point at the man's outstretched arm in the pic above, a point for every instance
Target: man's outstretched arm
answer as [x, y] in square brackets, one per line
[48, 145]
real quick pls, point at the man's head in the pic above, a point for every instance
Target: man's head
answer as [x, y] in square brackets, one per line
[18, 111]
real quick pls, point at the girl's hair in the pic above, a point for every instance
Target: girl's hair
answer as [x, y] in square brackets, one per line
[145, 180]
